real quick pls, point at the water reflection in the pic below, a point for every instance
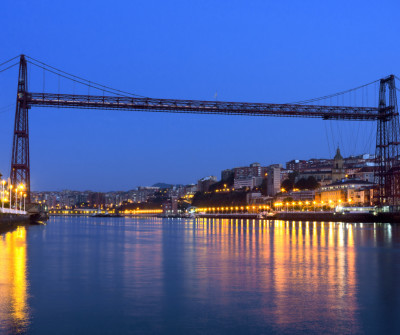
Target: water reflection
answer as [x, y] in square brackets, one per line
[14, 310]
[314, 275]
[294, 276]
[126, 275]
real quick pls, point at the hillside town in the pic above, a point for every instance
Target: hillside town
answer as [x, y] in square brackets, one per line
[333, 181]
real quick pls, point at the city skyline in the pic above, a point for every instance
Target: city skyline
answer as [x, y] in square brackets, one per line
[286, 167]
[217, 174]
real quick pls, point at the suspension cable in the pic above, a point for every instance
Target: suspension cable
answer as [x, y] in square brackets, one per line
[111, 90]
[334, 94]
[82, 79]
[64, 76]
[7, 68]
[9, 60]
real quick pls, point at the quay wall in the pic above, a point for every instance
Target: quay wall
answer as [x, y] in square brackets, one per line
[10, 221]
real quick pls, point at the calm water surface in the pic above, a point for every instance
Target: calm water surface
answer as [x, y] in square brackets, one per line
[122, 275]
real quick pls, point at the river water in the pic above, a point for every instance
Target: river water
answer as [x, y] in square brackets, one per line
[81, 275]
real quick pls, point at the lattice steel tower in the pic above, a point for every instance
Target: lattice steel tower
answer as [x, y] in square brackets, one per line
[387, 169]
[20, 172]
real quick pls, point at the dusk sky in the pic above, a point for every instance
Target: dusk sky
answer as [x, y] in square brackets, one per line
[251, 51]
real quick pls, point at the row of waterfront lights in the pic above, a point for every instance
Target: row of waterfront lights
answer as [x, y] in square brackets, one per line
[290, 205]
[233, 209]
[92, 211]
[143, 211]
[7, 191]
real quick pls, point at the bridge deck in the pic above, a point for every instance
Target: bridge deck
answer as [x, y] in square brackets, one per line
[203, 107]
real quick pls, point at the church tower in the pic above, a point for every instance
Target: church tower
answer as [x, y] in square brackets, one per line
[337, 169]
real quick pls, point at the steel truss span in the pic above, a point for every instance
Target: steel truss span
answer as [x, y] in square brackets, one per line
[202, 107]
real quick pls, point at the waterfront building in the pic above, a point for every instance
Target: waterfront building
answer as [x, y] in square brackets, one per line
[245, 182]
[97, 199]
[247, 176]
[203, 185]
[323, 177]
[142, 194]
[366, 173]
[285, 174]
[301, 195]
[170, 207]
[359, 161]
[254, 170]
[273, 175]
[190, 189]
[353, 191]
[325, 171]
[313, 164]
[296, 165]
[227, 174]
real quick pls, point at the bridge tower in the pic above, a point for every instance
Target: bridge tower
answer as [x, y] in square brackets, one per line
[387, 168]
[20, 171]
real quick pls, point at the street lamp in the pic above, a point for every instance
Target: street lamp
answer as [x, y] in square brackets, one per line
[24, 200]
[10, 187]
[2, 194]
[16, 198]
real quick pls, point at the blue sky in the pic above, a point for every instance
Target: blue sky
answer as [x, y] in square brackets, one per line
[256, 51]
